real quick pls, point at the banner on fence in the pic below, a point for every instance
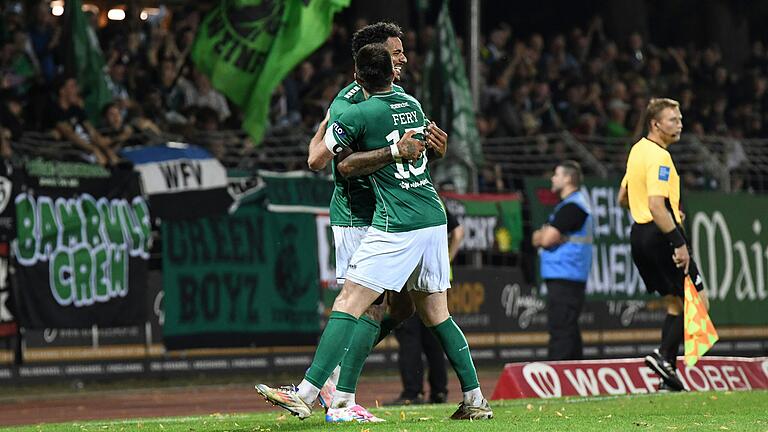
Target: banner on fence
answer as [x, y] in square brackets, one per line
[241, 279]
[729, 237]
[7, 319]
[82, 247]
[183, 181]
[492, 222]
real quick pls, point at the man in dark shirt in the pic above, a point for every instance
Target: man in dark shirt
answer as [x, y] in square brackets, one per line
[565, 252]
[70, 121]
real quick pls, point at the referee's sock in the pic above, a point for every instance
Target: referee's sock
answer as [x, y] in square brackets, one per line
[671, 337]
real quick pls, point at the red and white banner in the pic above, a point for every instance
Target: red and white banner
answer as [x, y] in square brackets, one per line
[625, 376]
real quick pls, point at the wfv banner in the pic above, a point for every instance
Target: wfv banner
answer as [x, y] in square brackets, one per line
[81, 249]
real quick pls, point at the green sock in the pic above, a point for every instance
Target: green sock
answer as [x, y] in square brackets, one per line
[386, 327]
[457, 349]
[333, 345]
[363, 339]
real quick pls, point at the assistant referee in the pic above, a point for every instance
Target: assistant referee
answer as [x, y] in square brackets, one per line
[651, 187]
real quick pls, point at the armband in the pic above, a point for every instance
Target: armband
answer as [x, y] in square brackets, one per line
[330, 142]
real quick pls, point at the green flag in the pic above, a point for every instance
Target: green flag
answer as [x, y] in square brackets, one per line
[448, 100]
[248, 46]
[84, 60]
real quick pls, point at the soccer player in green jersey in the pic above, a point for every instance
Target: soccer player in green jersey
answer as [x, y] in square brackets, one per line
[405, 245]
[351, 212]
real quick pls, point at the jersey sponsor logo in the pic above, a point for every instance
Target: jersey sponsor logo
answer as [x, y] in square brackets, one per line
[338, 130]
[664, 173]
[398, 105]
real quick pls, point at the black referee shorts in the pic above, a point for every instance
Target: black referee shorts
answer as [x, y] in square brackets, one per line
[652, 255]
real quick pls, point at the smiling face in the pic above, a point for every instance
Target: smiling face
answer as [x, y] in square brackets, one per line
[395, 47]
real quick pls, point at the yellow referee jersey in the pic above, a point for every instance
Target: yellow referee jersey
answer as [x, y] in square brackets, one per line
[650, 171]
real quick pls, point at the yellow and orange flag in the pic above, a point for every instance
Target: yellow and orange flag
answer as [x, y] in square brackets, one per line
[700, 333]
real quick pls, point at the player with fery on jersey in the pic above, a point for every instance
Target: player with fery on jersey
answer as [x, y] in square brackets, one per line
[406, 244]
[351, 212]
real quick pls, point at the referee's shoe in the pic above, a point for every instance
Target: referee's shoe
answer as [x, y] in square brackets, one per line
[665, 370]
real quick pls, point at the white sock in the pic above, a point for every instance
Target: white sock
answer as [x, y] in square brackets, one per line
[334, 378]
[473, 397]
[308, 392]
[343, 399]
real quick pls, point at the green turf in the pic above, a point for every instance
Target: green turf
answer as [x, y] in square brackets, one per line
[730, 411]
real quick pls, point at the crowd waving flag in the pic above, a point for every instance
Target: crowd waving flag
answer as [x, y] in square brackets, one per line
[247, 47]
[84, 61]
[700, 333]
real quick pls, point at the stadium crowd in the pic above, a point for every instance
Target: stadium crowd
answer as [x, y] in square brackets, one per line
[581, 81]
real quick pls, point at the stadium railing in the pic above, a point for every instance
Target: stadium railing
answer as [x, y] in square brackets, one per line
[709, 162]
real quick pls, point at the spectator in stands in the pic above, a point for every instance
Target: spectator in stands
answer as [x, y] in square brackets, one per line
[116, 80]
[44, 36]
[616, 127]
[11, 122]
[496, 49]
[70, 122]
[202, 94]
[18, 67]
[116, 131]
[172, 89]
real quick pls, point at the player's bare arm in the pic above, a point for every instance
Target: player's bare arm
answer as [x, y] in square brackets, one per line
[319, 156]
[437, 141]
[663, 219]
[363, 163]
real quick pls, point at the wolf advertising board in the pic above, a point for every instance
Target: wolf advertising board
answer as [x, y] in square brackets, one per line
[83, 239]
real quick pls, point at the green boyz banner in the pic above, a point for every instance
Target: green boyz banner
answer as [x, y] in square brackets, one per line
[249, 278]
[491, 222]
[613, 274]
[729, 238]
[83, 239]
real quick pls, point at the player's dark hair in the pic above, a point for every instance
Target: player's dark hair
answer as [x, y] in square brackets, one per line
[374, 34]
[373, 67]
[573, 170]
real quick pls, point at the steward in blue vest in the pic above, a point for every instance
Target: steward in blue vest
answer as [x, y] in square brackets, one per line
[565, 255]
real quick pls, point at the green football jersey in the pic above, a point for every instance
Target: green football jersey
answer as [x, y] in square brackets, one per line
[406, 200]
[353, 202]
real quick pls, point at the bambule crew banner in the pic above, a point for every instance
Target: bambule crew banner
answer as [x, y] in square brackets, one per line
[249, 278]
[83, 239]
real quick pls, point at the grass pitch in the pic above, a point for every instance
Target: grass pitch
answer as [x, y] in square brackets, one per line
[710, 411]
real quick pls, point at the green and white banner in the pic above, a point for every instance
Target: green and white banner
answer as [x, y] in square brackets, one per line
[83, 240]
[241, 279]
[729, 237]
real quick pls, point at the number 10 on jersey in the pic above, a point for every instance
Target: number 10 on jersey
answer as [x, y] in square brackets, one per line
[401, 173]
